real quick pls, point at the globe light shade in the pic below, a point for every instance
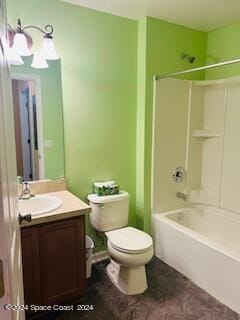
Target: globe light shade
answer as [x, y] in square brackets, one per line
[48, 49]
[13, 57]
[39, 61]
[20, 44]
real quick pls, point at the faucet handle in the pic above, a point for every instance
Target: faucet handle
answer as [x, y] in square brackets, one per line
[178, 174]
[27, 217]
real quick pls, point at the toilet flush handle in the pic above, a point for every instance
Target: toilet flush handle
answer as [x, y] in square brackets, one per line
[100, 205]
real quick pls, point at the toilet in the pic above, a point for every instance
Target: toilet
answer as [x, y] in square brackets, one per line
[130, 249]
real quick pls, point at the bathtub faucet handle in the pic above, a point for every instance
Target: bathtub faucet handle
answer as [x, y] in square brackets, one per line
[178, 174]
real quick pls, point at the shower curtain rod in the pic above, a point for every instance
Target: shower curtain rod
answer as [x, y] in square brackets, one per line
[210, 66]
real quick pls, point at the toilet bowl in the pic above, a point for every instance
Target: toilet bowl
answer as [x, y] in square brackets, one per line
[130, 249]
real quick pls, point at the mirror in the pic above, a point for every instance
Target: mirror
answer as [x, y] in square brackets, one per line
[38, 119]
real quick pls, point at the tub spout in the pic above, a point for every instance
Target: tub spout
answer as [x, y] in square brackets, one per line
[182, 196]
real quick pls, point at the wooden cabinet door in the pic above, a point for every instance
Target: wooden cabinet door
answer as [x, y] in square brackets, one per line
[63, 260]
[31, 266]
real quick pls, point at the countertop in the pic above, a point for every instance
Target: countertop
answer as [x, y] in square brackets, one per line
[72, 207]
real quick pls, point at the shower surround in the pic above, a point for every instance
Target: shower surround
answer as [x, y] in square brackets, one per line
[196, 126]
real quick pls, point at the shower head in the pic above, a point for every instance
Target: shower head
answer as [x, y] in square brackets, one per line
[187, 57]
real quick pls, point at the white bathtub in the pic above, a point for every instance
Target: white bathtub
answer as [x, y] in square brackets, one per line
[204, 245]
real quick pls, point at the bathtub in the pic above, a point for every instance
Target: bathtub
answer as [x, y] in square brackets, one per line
[203, 244]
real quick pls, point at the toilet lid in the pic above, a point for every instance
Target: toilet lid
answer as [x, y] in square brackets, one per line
[130, 240]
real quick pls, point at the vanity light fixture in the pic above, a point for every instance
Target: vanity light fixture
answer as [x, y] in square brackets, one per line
[20, 44]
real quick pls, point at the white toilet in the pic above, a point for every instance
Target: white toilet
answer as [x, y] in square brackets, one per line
[129, 248]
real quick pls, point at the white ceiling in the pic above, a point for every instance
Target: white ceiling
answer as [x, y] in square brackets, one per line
[203, 15]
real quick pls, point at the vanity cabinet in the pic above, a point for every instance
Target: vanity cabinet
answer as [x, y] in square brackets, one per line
[54, 261]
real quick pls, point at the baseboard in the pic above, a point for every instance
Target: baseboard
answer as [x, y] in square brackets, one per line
[100, 256]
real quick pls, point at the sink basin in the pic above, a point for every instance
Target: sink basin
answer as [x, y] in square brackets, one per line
[39, 204]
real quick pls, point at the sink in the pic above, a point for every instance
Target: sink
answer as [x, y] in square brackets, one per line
[39, 204]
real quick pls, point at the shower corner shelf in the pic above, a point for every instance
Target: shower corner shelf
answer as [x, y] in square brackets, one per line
[206, 134]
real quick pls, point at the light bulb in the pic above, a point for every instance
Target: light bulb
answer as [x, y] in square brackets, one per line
[20, 44]
[39, 61]
[13, 57]
[48, 49]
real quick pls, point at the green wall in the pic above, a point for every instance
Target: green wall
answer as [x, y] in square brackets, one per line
[52, 113]
[163, 44]
[223, 45]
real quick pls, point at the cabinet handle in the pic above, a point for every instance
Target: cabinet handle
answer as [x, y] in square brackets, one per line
[26, 217]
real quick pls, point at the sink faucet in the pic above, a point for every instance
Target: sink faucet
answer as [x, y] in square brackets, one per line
[26, 192]
[182, 196]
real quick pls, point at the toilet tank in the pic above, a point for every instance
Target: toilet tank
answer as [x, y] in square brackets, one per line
[109, 212]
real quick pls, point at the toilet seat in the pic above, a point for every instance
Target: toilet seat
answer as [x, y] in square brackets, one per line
[130, 240]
